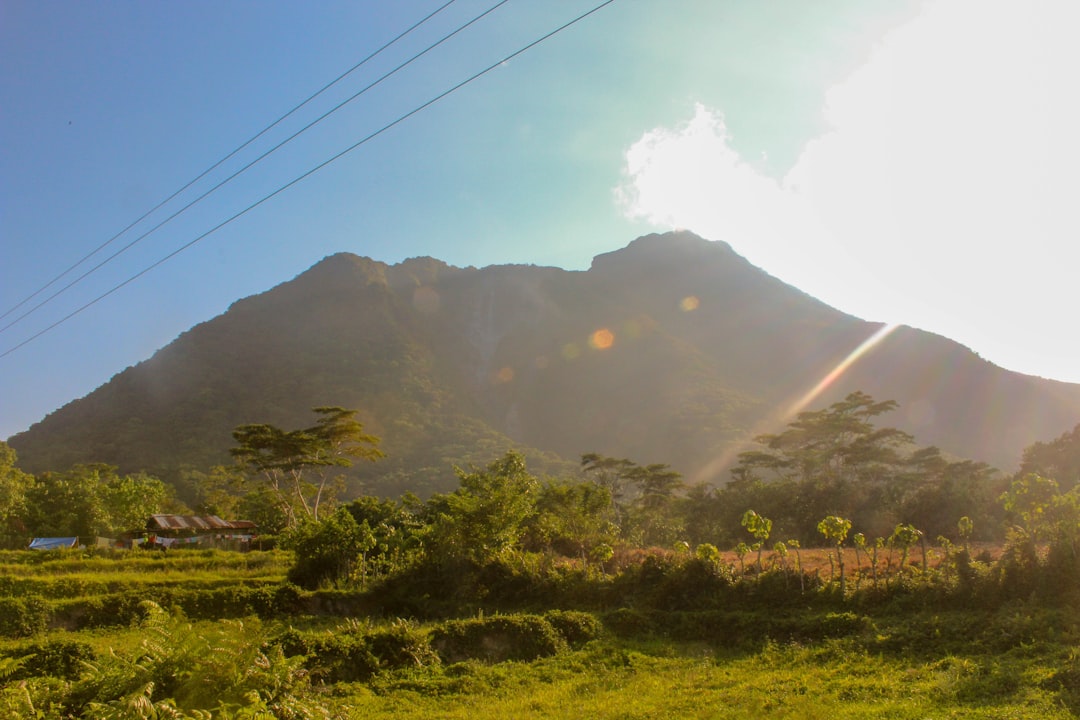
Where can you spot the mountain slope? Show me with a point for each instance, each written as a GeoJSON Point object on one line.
{"type": "Point", "coordinates": [674, 349]}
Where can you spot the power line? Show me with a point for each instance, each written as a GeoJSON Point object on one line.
{"type": "Point", "coordinates": [308, 173]}
{"type": "Point", "coordinates": [257, 160]}
{"type": "Point", "coordinates": [213, 167]}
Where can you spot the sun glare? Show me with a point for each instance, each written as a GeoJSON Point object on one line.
{"type": "Point", "coordinates": [782, 416]}
{"type": "Point", "coordinates": [945, 173]}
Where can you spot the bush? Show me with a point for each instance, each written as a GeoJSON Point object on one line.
{"type": "Point", "coordinates": [24, 616]}
{"type": "Point", "coordinates": [575, 627]}
{"type": "Point", "coordinates": [351, 653]}
{"type": "Point", "coordinates": [628, 622]}
{"type": "Point", "coordinates": [496, 639]}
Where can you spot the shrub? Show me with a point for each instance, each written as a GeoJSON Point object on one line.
{"type": "Point", "coordinates": [629, 622]}
{"type": "Point", "coordinates": [24, 616]}
{"type": "Point", "coordinates": [401, 645]}
{"type": "Point", "coordinates": [496, 639]}
{"type": "Point", "coordinates": [575, 627]}
{"type": "Point", "coordinates": [352, 653]}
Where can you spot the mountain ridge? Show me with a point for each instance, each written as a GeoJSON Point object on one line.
{"type": "Point", "coordinates": [674, 349]}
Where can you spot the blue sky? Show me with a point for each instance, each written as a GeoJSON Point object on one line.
{"type": "Point", "coordinates": [745, 122]}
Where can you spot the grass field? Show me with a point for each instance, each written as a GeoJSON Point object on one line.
{"type": "Point", "coordinates": [206, 653]}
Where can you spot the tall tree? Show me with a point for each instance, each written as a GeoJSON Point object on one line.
{"type": "Point", "coordinates": [616, 475]}
{"type": "Point", "coordinates": [1058, 459]}
{"type": "Point", "coordinates": [295, 464]}
{"type": "Point", "coordinates": [835, 460]}
{"type": "Point", "coordinates": [572, 518]}
{"type": "Point", "coordinates": [654, 520]}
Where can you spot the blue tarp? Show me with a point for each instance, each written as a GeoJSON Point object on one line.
{"type": "Point", "coordinates": [53, 543]}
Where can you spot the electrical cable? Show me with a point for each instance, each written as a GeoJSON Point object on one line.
{"type": "Point", "coordinates": [308, 173]}
{"type": "Point", "coordinates": [257, 160]}
{"type": "Point", "coordinates": [218, 164]}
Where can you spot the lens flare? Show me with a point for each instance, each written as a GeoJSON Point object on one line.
{"type": "Point", "coordinates": [689, 303]}
{"type": "Point", "coordinates": [602, 339]}
{"type": "Point", "coordinates": [784, 415]}
{"type": "Point", "coordinates": [867, 345]}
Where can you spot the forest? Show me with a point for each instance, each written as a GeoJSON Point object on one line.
{"type": "Point", "coordinates": [843, 570]}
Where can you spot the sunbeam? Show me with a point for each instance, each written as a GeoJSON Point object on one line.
{"type": "Point", "coordinates": [784, 414]}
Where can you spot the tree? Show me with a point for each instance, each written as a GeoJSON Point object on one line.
{"type": "Point", "coordinates": [218, 492]}
{"type": "Point", "coordinates": [486, 515]}
{"type": "Point", "coordinates": [759, 527]}
{"type": "Point", "coordinates": [130, 500]}
{"type": "Point", "coordinates": [327, 551]}
{"type": "Point", "coordinates": [1058, 459]}
{"type": "Point", "coordinates": [14, 486]}
{"type": "Point", "coordinates": [614, 474]}
{"type": "Point", "coordinates": [933, 492]}
{"type": "Point", "coordinates": [905, 537]}
{"type": "Point", "coordinates": [396, 529]}
{"type": "Point", "coordinates": [92, 500]}
{"type": "Point", "coordinates": [653, 517]}
{"type": "Point", "coordinates": [1029, 500]}
{"type": "Point", "coordinates": [835, 530]}
{"type": "Point", "coordinates": [832, 461]}
{"type": "Point", "coordinates": [572, 518]}
{"type": "Point", "coordinates": [287, 459]}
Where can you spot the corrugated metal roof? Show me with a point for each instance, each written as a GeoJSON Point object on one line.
{"type": "Point", "coordinates": [195, 522]}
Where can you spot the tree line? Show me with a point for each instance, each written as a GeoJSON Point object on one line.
{"type": "Point", "coordinates": [834, 462]}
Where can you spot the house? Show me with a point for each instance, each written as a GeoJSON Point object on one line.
{"type": "Point", "coordinates": [205, 530]}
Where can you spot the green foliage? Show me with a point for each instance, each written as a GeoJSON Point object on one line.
{"type": "Point", "coordinates": [176, 672]}
{"type": "Point", "coordinates": [571, 518]}
{"type": "Point", "coordinates": [1028, 501]}
{"type": "Point", "coordinates": [832, 460]}
{"type": "Point", "coordinates": [835, 529]}
{"type": "Point", "coordinates": [14, 486]}
{"type": "Point", "coordinates": [496, 639]}
{"type": "Point", "coordinates": [760, 527]}
{"type": "Point", "coordinates": [575, 627]}
{"type": "Point", "coordinates": [57, 658]}
{"type": "Point", "coordinates": [486, 515]}
{"type": "Point", "coordinates": [356, 652]}
{"type": "Point", "coordinates": [329, 550]}
{"type": "Point", "coordinates": [287, 459]}
{"type": "Point", "coordinates": [1058, 459]}
{"type": "Point", "coordinates": [93, 500]}
{"type": "Point", "coordinates": [23, 616]}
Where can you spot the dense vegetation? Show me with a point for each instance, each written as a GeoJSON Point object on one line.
{"type": "Point", "coordinates": [844, 571]}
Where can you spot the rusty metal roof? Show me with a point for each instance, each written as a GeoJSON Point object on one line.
{"type": "Point", "coordinates": [195, 522]}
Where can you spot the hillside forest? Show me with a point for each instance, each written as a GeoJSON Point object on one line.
{"type": "Point", "coordinates": [842, 570]}
{"type": "Point", "coordinates": [838, 461]}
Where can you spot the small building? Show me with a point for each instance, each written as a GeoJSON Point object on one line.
{"type": "Point", "coordinates": [205, 530]}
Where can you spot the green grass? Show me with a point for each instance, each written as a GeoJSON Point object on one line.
{"type": "Point", "coordinates": [1015, 661]}
{"type": "Point", "coordinates": [833, 679]}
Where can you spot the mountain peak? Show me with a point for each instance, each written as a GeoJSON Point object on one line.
{"type": "Point", "coordinates": [675, 247]}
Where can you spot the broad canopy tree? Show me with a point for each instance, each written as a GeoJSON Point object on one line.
{"type": "Point", "coordinates": [836, 461]}
{"type": "Point", "coordinates": [296, 464]}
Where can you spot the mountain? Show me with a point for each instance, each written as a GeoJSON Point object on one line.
{"type": "Point", "coordinates": [672, 350]}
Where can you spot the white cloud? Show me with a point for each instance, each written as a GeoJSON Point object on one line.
{"type": "Point", "coordinates": [943, 196]}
